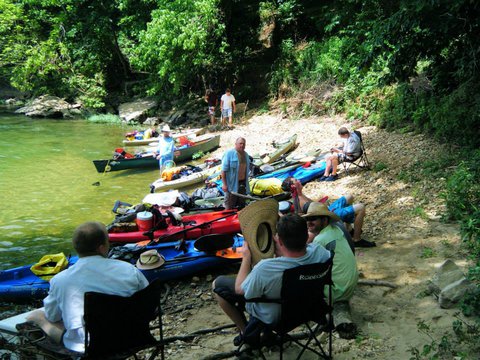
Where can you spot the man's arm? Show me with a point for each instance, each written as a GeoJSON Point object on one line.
{"type": "Point", "coordinates": [234, 106]}
{"type": "Point", "coordinates": [224, 182]}
{"type": "Point", "coordinates": [245, 269]}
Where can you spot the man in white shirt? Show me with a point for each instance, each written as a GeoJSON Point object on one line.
{"type": "Point", "coordinates": [227, 107]}
{"type": "Point", "coordinates": [349, 149]}
{"type": "Point", "coordinates": [62, 319]}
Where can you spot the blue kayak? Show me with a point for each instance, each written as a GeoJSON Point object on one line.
{"type": "Point", "coordinates": [303, 174]}
{"type": "Point", "coordinates": [181, 260]}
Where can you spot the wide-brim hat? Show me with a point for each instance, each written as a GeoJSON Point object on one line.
{"type": "Point", "coordinates": [258, 222]}
{"type": "Point", "coordinates": [166, 128]}
{"type": "Point", "coordinates": [319, 209]}
{"type": "Point", "coordinates": [150, 259]}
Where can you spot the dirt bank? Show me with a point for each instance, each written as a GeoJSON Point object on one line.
{"type": "Point", "coordinates": [404, 220]}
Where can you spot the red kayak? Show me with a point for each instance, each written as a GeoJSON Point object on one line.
{"type": "Point", "coordinates": [191, 227]}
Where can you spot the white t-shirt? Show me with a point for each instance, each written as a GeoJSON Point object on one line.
{"type": "Point", "coordinates": [227, 100]}
{"type": "Point", "coordinates": [65, 298]}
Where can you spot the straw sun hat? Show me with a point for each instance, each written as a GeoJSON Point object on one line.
{"type": "Point", "coordinates": [150, 259]}
{"type": "Point", "coordinates": [319, 209]}
{"type": "Point", "coordinates": [258, 222]}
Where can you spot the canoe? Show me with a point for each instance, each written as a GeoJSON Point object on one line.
{"type": "Point", "coordinates": [192, 227]}
{"type": "Point", "coordinates": [203, 143]}
{"type": "Point", "coordinates": [143, 142]}
{"type": "Point", "coordinates": [187, 180]}
{"type": "Point", "coordinates": [21, 285]}
{"type": "Point", "coordinates": [281, 148]}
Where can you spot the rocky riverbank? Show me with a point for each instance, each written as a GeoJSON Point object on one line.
{"type": "Point", "coordinates": [403, 218]}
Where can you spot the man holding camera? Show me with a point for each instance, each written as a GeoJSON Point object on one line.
{"type": "Point", "coordinates": [349, 149]}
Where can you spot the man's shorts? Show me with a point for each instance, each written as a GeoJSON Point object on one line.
{"type": "Point", "coordinates": [211, 110]}
{"type": "Point", "coordinates": [225, 288]}
{"type": "Point", "coordinates": [227, 113]}
{"type": "Point", "coordinates": [341, 208]}
{"type": "Point", "coordinates": [342, 157]}
{"type": "Point", "coordinates": [232, 201]}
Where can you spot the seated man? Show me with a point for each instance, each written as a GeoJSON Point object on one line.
{"type": "Point", "coordinates": [62, 319]}
{"type": "Point", "coordinates": [320, 222]}
{"type": "Point", "coordinates": [265, 279]}
{"type": "Point", "coordinates": [346, 210]}
{"type": "Point", "coordinates": [350, 149]}
{"type": "Point", "coordinates": [324, 225]}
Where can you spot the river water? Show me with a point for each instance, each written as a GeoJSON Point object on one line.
{"type": "Point", "coordinates": [46, 177]}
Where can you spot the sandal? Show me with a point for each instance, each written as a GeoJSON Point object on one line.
{"type": "Point", "coordinates": [238, 340]}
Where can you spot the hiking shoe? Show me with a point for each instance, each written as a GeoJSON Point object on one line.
{"type": "Point", "coordinates": [323, 178]}
{"type": "Point", "coordinates": [332, 178]}
{"type": "Point", "coordinates": [364, 243]}
{"type": "Point", "coordinates": [238, 340]}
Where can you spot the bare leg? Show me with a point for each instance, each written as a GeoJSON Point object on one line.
{"type": "Point", "coordinates": [358, 223]}
{"type": "Point", "coordinates": [232, 312]}
{"type": "Point", "coordinates": [230, 120]}
{"type": "Point", "coordinates": [212, 120]}
{"type": "Point", "coordinates": [334, 165]}
{"type": "Point", "coordinates": [328, 165]}
{"type": "Point", "coordinates": [53, 330]}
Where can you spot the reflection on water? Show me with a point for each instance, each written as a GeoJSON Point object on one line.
{"type": "Point", "coordinates": [46, 177]}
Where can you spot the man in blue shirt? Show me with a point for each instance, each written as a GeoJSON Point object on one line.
{"type": "Point", "coordinates": [235, 165]}
{"type": "Point", "coordinates": [265, 279]}
{"type": "Point", "coordinates": [166, 147]}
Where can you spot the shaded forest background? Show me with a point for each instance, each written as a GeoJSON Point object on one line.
{"type": "Point", "coordinates": [405, 65]}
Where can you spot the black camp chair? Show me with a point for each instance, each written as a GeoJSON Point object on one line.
{"type": "Point", "coordinates": [116, 327]}
{"type": "Point", "coordinates": [359, 160]}
{"type": "Point", "coordinates": [302, 302]}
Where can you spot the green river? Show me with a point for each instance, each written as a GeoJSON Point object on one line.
{"type": "Point", "coordinates": [46, 177]}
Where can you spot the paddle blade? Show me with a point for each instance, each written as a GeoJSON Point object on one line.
{"type": "Point", "coordinates": [214, 242]}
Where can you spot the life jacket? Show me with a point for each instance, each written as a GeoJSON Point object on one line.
{"type": "Point", "coordinates": [50, 265]}
{"type": "Point", "coordinates": [168, 174]}
{"type": "Point", "coordinates": [183, 140]}
{"type": "Point", "coordinates": [265, 187]}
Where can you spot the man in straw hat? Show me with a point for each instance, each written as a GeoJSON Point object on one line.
{"type": "Point", "coordinates": [62, 319]}
{"type": "Point", "coordinates": [265, 278]}
{"type": "Point", "coordinates": [235, 165]}
{"type": "Point", "coordinates": [166, 147]}
{"type": "Point", "coordinates": [345, 208]}
{"type": "Point", "coordinates": [320, 222]}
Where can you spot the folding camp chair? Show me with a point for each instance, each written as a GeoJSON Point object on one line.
{"type": "Point", "coordinates": [302, 302]}
{"type": "Point", "coordinates": [116, 327]}
{"type": "Point", "coordinates": [360, 160]}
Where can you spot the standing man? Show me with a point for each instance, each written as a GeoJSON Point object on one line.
{"type": "Point", "coordinates": [349, 149]}
{"type": "Point", "coordinates": [212, 101]}
{"type": "Point", "coordinates": [265, 279]}
{"type": "Point", "coordinates": [166, 147]}
{"type": "Point", "coordinates": [62, 319]}
{"type": "Point", "coordinates": [235, 165]}
{"type": "Point", "coordinates": [227, 107]}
